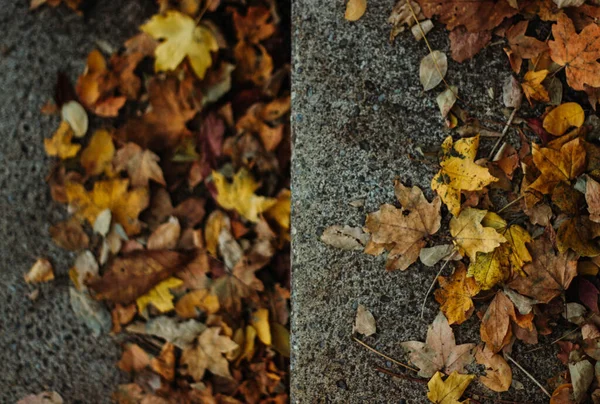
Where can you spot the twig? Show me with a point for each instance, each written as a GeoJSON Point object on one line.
{"type": "Point", "coordinates": [430, 48]}
{"type": "Point", "coordinates": [434, 281]}
{"type": "Point", "coordinates": [510, 119]}
{"type": "Point", "coordinates": [370, 348]}
{"type": "Point", "coordinates": [511, 203]}
{"type": "Point", "coordinates": [400, 376]}
{"type": "Point", "coordinates": [565, 335]}
{"type": "Point", "coordinates": [528, 374]}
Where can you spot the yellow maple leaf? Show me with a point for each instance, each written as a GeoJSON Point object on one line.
{"type": "Point", "coordinates": [470, 236]}
{"type": "Point", "coordinates": [97, 156]}
{"type": "Point", "coordinates": [488, 269]}
{"type": "Point", "coordinates": [181, 38]}
{"type": "Point", "coordinates": [448, 391]}
{"type": "Point", "coordinates": [563, 117]}
{"type": "Point", "coordinates": [239, 195]}
{"type": "Point", "coordinates": [533, 88]}
{"type": "Point", "coordinates": [160, 296]}
{"type": "Point", "coordinates": [60, 145]}
{"type": "Point", "coordinates": [455, 295]}
{"type": "Point", "coordinates": [459, 172]}
{"type": "Point", "coordinates": [558, 166]}
{"type": "Point", "coordinates": [124, 205]}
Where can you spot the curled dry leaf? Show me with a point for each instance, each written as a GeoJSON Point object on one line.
{"type": "Point", "coordinates": [74, 114]}
{"type": "Point", "coordinates": [345, 237]}
{"type": "Point", "coordinates": [498, 373]}
{"type": "Point", "coordinates": [40, 272]}
{"type": "Point", "coordinates": [180, 334]}
{"type": "Point", "coordinates": [60, 145]}
{"type": "Point", "coordinates": [446, 100]}
{"type": "Point", "coordinates": [260, 321]}
{"type": "Point", "coordinates": [166, 236]}
{"type": "Point", "coordinates": [432, 255]}
{"type": "Point", "coordinates": [365, 322]}
{"type": "Point", "coordinates": [355, 9]}
{"type": "Point", "coordinates": [433, 69]}
{"type": "Point", "coordinates": [511, 92]}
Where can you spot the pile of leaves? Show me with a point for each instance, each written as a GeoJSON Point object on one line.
{"type": "Point", "coordinates": [524, 222]}
{"type": "Point", "coordinates": [178, 204]}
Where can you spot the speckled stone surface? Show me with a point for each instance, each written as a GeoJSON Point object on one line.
{"type": "Point", "coordinates": [42, 344]}
{"type": "Point", "coordinates": [359, 113]}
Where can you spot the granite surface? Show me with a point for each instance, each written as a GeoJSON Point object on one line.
{"type": "Point", "coordinates": [359, 117]}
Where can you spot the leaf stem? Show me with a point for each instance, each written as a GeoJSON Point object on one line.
{"type": "Point", "coordinates": [510, 119]}
{"type": "Point", "coordinates": [435, 280]}
{"type": "Point", "coordinates": [528, 374]}
{"type": "Point", "coordinates": [370, 348]}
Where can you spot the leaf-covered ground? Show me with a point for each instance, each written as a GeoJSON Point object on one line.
{"type": "Point", "coordinates": [179, 202]}
{"type": "Point", "coordinates": [522, 231]}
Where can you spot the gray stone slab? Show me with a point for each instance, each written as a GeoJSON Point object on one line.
{"type": "Point", "coordinates": [42, 345]}
{"type": "Point", "coordinates": [358, 114]}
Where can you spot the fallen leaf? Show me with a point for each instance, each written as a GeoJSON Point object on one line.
{"type": "Point", "coordinates": [470, 237]}
{"type": "Point", "coordinates": [93, 313]}
{"type": "Point", "coordinates": [578, 53]}
{"type": "Point", "coordinates": [257, 25]}
{"type": "Point", "coordinates": [190, 303]}
{"type": "Point", "coordinates": [498, 373]}
{"type": "Point", "coordinates": [433, 69]}
{"type": "Point", "coordinates": [562, 394]}
{"type": "Point", "coordinates": [164, 363]}
{"type": "Point", "coordinates": [578, 234]}
{"type": "Point", "coordinates": [180, 334]}
{"type": "Point", "coordinates": [85, 268]}
{"type": "Point", "coordinates": [260, 321]}
{"type": "Point", "coordinates": [495, 325]}
{"type": "Point", "coordinates": [446, 100]}
{"type": "Point", "coordinates": [432, 255]}
{"type": "Point", "coordinates": [159, 296]}
{"type": "Point", "coordinates": [564, 117]}
{"type": "Point", "coordinates": [364, 322]}
{"type": "Point", "coordinates": [345, 238]}
{"type": "Point", "coordinates": [165, 236]}
{"type": "Point", "coordinates": [60, 145]}
{"type": "Point", "coordinates": [459, 172]}
{"type": "Point", "coordinates": [558, 165]}
{"type": "Point", "coordinates": [482, 15]}
{"type": "Point", "coordinates": [133, 359]}
{"type": "Point", "coordinates": [74, 114]}
{"type": "Point", "coordinates": [355, 9]}
{"type": "Point", "coordinates": [97, 157]}
{"type": "Point", "coordinates": [40, 272]}
{"type": "Point", "coordinates": [182, 38]}
{"type": "Point", "coordinates": [439, 351]}
{"type": "Point", "coordinates": [47, 397]}
{"type": "Point", "coordinates": [141, 165]}
{"type": "Point", "coordinates": [582, 375]}
{"type": "Point", "coordinates": [568, 3]}
{"type": "Point", "coordinates": [511, 92]}
{"type": "Point", "coordinates": [403, 230]}
{"type": "Point", "coordinates": [548, 275]}
{"type": "Point", "coordinates": [533, 87]}
{"type": "Point", "coordinates": [402, 17]}
{"type": "Point", "coordinates": [464, 44]}
{"type": "Point", "coordinates": [134, 274]}
{"type": "Point", "coordinates": [208, 355]}
{"type": "Point", "coordinates": [450, 390]}
{"type": "Point", "coordinates": [239, 195]}
{"type": "Point", "coordinates": [522, 46]}
{"type": "Point", "coordinates": [592, 197]}
{"type": "Point", "coordinates": [455, 296]}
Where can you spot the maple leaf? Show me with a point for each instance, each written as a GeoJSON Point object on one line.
{"type": "Point", "coordinates": [208, 355]}
{"type": "Point", "coordinates": [455, 295]}
{"type": "Point", "coordinates": [439, 351]}
{"type": "Point", "coordinates": [522, 46]}
{"type": "Point", "coordinates": [96, 158]}
{"type": "Point", "coordinates": [60, 143]}
{"type": "Point", "coordinates": [470, 236]}
{"type": "Point", "coordinates": [558, 166]}
{"type": "Point", "coordinates": [533, 88]}
{"type": "Point", "coordinates": [579, 53]}
{"type": "Point", "coordinates": [254, 26]}
{"type": "Point", "coordinates": [132, 275]}
{"type": "Point", "coordinates": [563, 117]}
{"type": "Point", "coordinates": [482, 15]}
{"type": "Point", "coordinates": [124, 205]}
{"type": "Point", "coordinates": [578, 234]}
{"type": "Point", "coordinates": [181, 38]}
{"type": "Point", "coordinates": [159, 296]}
{"type": "Point", "coordinates": [498, 373]}
{"type": "Point", "coordinates": [164, 363]}
{"type": "Point", "coordinates": [239, 195]}
{"type": "Point", "coordinates": [459, 172]}
{"type": "Point", "coordinates": [188, 305]}
{"type": "Point", "coordinates": [548, 275]}
{"type": "Point", "coordinates": [405, 229]}
{"type": "Point", "coordinates": [450, 390]}
{"type": "Point", "coordinates": [141, 165]}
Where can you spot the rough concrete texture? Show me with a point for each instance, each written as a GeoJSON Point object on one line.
{"type": "Point", "coordinates": [358, 113]}
{"type": "Point", "coordinates": [42, 345]}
